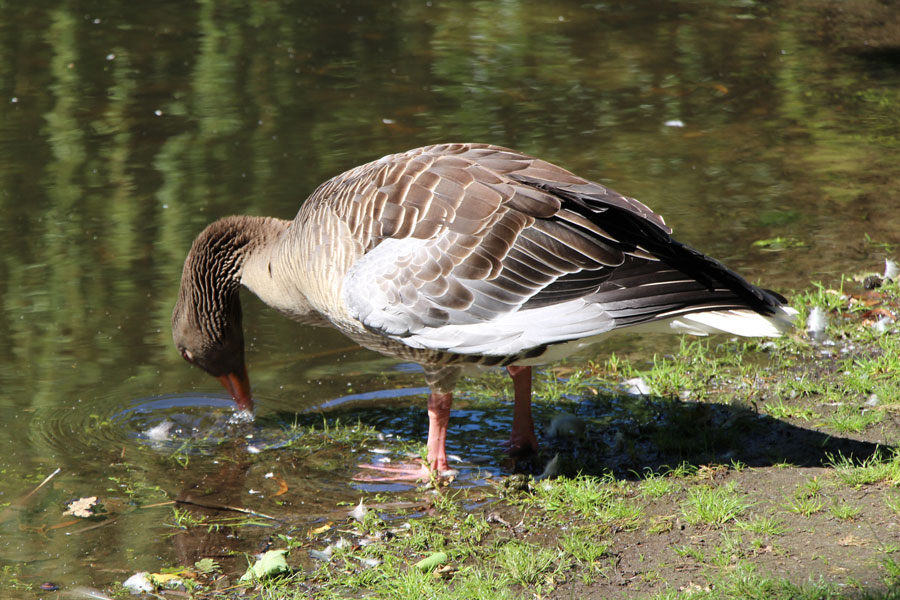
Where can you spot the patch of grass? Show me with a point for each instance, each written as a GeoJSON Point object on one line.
{"type": "Point", "coordinates": [891, 571]}
{"type": "Point", "coordinates": [136, 490]}
{"type": "Point", "coordinates": [892, 501]}
{"type": "Point", "coordinates": [529, 565]}
{"type": "Point", "coordinates": [809, 488]}
{"type": "Point", "coordinates": [770, 525]}
{"type": "Point", "coordinates": [10, 579]}
{"type": "Point", "coordinates": [742, 581]}
{"type": "Point", "coordinates": [805, 499]}
{"type": "Point", "coordinates": [582, 545]}
{"type": "Point", "coordinates": [724, 554]}
{"type": "Point", "coordinates": [850, 419]}
{"type": "Point", "coordinates": [184, 518]}
{"type": "Point", "coordinates": [331, 432]}
{"type": "Point", "coordinates": [714, 505]}
{"type": "Point", "coordinates": [799, 386]}
{"type": "Point", "coordinates": [595, 498]}
{"type": "Point", "coordinates": [661, 524]}
{"type": "Point", "coordinates": [473, 530]}
{"type": "Point", "coordinates": [563, 384]}
{"type": "Point", "coordinates": [685, 551]}
{"type": "Point", "coordinates": [685, 470]}
{"type": "Point", "coordinates": [828, 298]}
{"type": "Point", "coordinates": [880, 467]}
{"type": "Point", "coordinates": [655, 485]}
{"type": "Point", "coordinates": [804, 505]}
{"type": "Point", "coordinates": [688, 373]}
{"type": "Point", "coordinates": [779, 410]}
{"type": "Point", "coordinates": [844, 511]}
{"type": "Point", "coordinates": [476, 582]}
{"type": "Point", "coordinates": [727, 552]}
{"type": "Point", "coordinates": [411, 584]}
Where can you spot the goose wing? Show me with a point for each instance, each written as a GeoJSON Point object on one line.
{"type": "Point", "coordinates": [482, 250]}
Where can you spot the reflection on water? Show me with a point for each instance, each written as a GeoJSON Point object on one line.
{"type": "Point", "coordinates": [125, 128]}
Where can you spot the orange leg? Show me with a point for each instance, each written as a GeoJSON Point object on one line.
{"type": "Point", "coordinates": [438, 418]}
{"type": "Point", "coordinates": [522, 440]}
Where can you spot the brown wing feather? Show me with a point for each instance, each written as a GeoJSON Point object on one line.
{"type": "Point", "coordinates": [496, 230]}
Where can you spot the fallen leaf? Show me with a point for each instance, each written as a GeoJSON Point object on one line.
{"type": "Point", "coordinates": [83, 507]}
{"type": "Point", "coordinates": [444, 572]}
{"type": "Point", "coordinates": [319, 530]}
{"type": "Point", "coordinates": [269, 564]}
{"type": "Point", "coordinates": [282, 485]}
{"type": "Point", "coordinates": [851, 540]}
{"type": "Point", "coordinates": [206, 565]}
{"type": "Point", "coordinates": [163, 579]}
{"type": "Point", "coordinates": [692, 588]}
{"type": "Point", "coordinates": [429, 563]}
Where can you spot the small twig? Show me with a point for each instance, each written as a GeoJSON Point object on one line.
{"type": "Point", "coordinates": [158, 504]}
{"type": "Point", "coordinates": [42, 484]}
{"type": "Point", "coordinates": [245, 511]}
{"type": "Point", "coordinates": [90, 527]}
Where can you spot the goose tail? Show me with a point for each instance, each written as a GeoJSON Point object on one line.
{"type": "Point", "coordinates": [739, 322]}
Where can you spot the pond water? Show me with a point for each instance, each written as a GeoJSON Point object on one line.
{"type": "Point", "coordinates": [126, 127]}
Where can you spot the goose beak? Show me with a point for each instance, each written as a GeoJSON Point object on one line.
{"type": "Point", "coordinates": [238, 385]}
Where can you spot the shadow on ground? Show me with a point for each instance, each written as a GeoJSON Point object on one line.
{"type": "Point", "coordinates": [625, 435]}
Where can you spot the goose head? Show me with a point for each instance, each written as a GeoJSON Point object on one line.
{"type": "Point", "coordinates": [206, 322]}
{"type": "Point", "coordinates": [216, 346]}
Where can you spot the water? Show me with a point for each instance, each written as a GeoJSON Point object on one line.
{"type": "Point", "coordinates": [126, 127]}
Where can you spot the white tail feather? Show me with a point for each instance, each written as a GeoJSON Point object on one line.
{"type": "Point", "coordinates": [745, 323]}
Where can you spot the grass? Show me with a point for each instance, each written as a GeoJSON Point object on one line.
{"type": "Point", "coordinates": [892, 501]}
{"type": "Point", "coordinates": [849, 419]}
{"type": "Point", "coordinates": [528, 565]}
{"type": "Point", "coordinates": [844, 511]}
{"type": "Point", "coordinates": [582, 545]}
{"type": "Point", "coordinates": [778, 409]}
{"type": "Point", "coordinates": [770, 525]}
{"type": "Point", "coordinates": [655, 485]}
{"type": "Point", "coordinates": [804, 505]}
{"type": "Point", "coordinates": [11, 579]}
{"type": "Point", "coordinates": [602, 499]}
{"type": "Point", "coordinates": [137, 490]}
{"type": "Point", "coordinates": [714, 505]}
{"type": "Point", "coordinates": [878, 468]}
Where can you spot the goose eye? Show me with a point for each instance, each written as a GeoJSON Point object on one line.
{"type": "Point", "coordinates": [186, 354]}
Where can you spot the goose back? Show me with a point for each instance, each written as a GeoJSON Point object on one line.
{"type": "Point", "coordinates": [429, 246]}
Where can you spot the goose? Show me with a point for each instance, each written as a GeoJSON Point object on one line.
{"type": "Point", "coordinates": [458, 255]}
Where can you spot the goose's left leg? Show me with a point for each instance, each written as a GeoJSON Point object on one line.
{"type": "Point", "coordinates": [440, 380]}
{"type": "Point", "coordinates": [522, 440]}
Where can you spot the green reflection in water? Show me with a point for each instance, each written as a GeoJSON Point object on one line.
{"type": "Point", "coordinates": [124, 129]}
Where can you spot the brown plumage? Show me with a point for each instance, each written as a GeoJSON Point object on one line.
{"type": "Point", "coordinates": [460, 254]}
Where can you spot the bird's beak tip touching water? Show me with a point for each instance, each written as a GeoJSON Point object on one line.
{"type": "Point", "coordinates": [238, 385]}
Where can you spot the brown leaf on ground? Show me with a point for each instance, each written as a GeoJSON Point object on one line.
{"type": "Point", "coordinates": [852, 540]}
